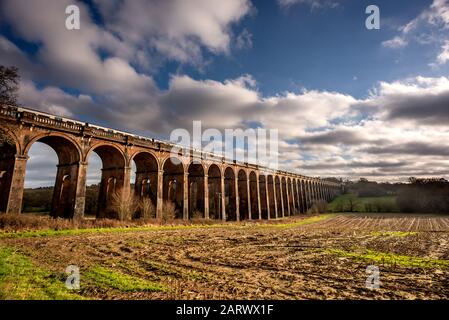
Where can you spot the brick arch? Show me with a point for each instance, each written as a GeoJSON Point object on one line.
{"type": "Point", "coordinates": [253, 195]}
{"type": "Point", "coordinates": [174, 183]}
{"type": "Point", "coordinates": [68, 173]}
{"type": "Point", "coordinates": [301, 202]}
{"type": "Point", "coordinates": [300, 196]}
{"type": "Point", "coordinates": [264, 196]}
{"type": "Point", "coordinates": [193, 163]}
{"type": "Point", "coordinates": [166, 162]}
{"type": "Point", "coordinates": [230, 167]}
{"type": "Point", "coordinates": [312, 192]}
{"type": "Point", "coordinates": [118, 148]}
{"type": "Point", "coordinates": [239, 168]}
{"type": "Point", "coordinates": [12, 138]}
{"type": "Point", "coordinates": [150, 152]}
{"type": "Point", "coordinates": [242, 187]}
{"type": "Point", "coordinates": [146, 176]}
{"type": "Point", "coordinates": [115, 177]}
{"type": "Point", "coordinates": [210, 164]}
{"type": "Point", "coordinates": [284, 195]}
{"type": "Point", "coordinates": [291, 195]}
{"type": "Point", "coordinates": [288, 184]}
{"type": "Point", "coordinates": [279, 201]}
{"type": "Point", "coordinates": [67, 148]}
{"type": "Point", "coordinates": [145, 159]}
{"type": "Point", "coordinates": [215, 192]}
{"type": "Point", "coordinates": [183, 160]}
{"type": "Point", "coordinates": [196, 190]}
{"type": "Point", "coordinates": [272, 200]}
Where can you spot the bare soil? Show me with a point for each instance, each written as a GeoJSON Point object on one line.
{"type": "Point", "coordinates": [261, 262]}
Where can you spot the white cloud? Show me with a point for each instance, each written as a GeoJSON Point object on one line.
{"type": "Point", "coordinates": [244, 40]}
{"type": "Point", "coordinates": [397, 131]}
{"type": "Point", "coordinates": [76, 63]}
{"type": "Point", "coordinates": [217, 104]}
{"type": "Point", "coordinates": [177, 29]}
{"type": "Point", "coordinates": [429, 27]}
{"type": "Point", "coordinates": [443, 57]}
{"type": "Point", "coordinates": [396, 42]}
{"type": "Point", "coordinates": [406, 130]}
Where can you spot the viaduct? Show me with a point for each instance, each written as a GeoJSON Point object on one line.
{"type": "Point", "coordinates": [200, 183]}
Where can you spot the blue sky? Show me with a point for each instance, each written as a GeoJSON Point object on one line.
{"type": "Point", "coordinates": [324, 49]}
{"type": "Point", "coordinates": [347, 101]}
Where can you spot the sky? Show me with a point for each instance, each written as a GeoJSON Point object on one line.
{"type": "Point", "coordinates": [348, 101]}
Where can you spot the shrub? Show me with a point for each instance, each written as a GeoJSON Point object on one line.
{"type": "Point", "coordinates": [168, 211]}
{"type": "Point", "coordinates": [197, 215]}
{"type": "Point", "coordinates": [147, 210]}
{"type": "Point", "coordinates": [125, 206]}
{"type": "Point", "coordinates": [23, 222]}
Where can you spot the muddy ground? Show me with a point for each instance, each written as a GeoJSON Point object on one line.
{"type": "Point", "coordinates": [322, 260]}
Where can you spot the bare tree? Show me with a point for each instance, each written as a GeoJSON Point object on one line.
{"type": "Point", "coordinates": [147, 210]}
{"type": "Point", "coordinates": [125, 205]}
{"type": "Point", "coordinates": [9, 85]}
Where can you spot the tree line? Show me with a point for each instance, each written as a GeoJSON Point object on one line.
{"type": "Point", "coordinates": [417, 195]}
{"type": "Point", "coordinates": [38, 200]}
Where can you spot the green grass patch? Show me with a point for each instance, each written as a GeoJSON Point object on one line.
{"type": "Point", "coordinates": [108, 278]}
{"type": "Point", "coordinates": [20, 279]}
{"type": "Point", "coordinates": [342, 203]}
{"type": "Point", "coordinates": [74, 232]}
{"type": "Point", "coordinates": [393, 234]}
{"type": "Point", "coordinates": [391, 258]}
{"type": "Point", "coordinates": [301, 222]}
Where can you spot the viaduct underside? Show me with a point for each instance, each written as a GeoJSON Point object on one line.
{"type": "Point", "coordinates": [200, 184]}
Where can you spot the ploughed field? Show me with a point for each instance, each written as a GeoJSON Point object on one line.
{"type": "Point", "coordinates": [305, 257]}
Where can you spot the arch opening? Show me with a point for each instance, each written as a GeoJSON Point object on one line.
{"type": "Point", "coordinates": [173, 185]}
{"type": "Point", "coordinates": [309, 191]}
{"type": "Point", "coordinates": [254, 202]}
{"type": "Point", "coordinates": [296, 196]}
{"type": "Point", "coordinates": [284, 197]}
{"type": "Point", "coordinates": [263, 196]}
{"type": "Point", "coordinates": [243, 195]}
{"type": "Point", "coordinates": [47, 190]}
{"type": "Point", "coordinates": [290, 196]}
{"type": "Point", "coordinates": [196, 191]}
{"type": "Point", "coordinates": [314, 192]}
{"type": "Point", "coordinates": [279, 202]}
{"type": "Point", "coordinates": [52, 191]}
{"type": "Point", "coordinates": [272, 195]}
{"type": "Point", "coordinates": [301, 197]}
{"type": "Point", "coordinates": [215, 192]}
{"type": "Point", "coordinates": [114, 182]}
{"type": "Point", "coordinates": [39, 180]}
{"type": "Point", "coordinates": [145, 184]}
{"type": "Point", "coordinates": [304, 196]}
{"type": "Point", "coordinates": [230, 195]}
{"type": "Point", "coordinates": [277, 182]}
